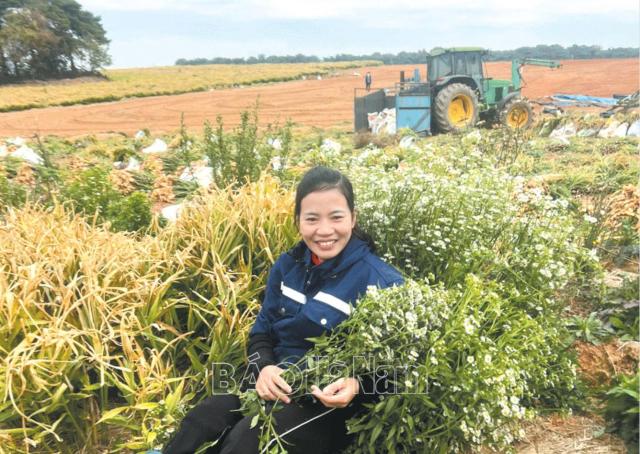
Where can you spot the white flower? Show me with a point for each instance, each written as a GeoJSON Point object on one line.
{"type": "Point", "coordinates": [590, 219]}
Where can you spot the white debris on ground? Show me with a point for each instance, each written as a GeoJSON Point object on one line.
{"type": "Point", "coordinates": [609, 130]}
{"type": "Point", "coordinates": [589, 132]}
{"type": "Point", "coordinates": [140, 135]}
{"type": "Point", "coordinates": [634, 129]}
{"type": "Point", "coordinates": [330, 146]}
{"type": "Point", "coordinates": [26, 154]}
{"type": "Point", "coordinates": [17, 141]}
{"type": "Point", "coordinates": [621, 131]}
{"type": "Point", "coordinates": [356, 73]}
{"type": "Point", "coordinates": [171, 212]}
{"type": "Point", "coordinates": [563, 131]}
{"type": "Point", "coordinates": [158, 146]}
{"type": "Point", "coordinates": [202, 175]}
{"type": "Point", "coordinates": [276, 143]}
{"type": "Point", "coordinates": [407, 142]}
{"type": "Point", "coordinates": [276, 163]}
{"type": "Point", "coordinates": [382, 122]}
{"type": "Point", "coordinates": [133, 165]}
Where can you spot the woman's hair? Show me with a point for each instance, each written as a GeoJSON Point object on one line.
{"type": "Point", "coordinates": [322, 178]}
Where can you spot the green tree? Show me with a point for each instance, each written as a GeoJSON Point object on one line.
{"type": "Point", "coordinates": [48, 38]}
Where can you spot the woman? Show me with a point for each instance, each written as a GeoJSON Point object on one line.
{"type": "Point", "coordinates": [310, 290]}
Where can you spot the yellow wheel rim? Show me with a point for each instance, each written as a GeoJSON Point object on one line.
{"type": "Point", "coordinates": [517, 117]}
{"type": "Point", "coordinates": [460, 110]}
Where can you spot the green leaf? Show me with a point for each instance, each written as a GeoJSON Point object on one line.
{"type": "Point", "coordinates": [254, 421]}
{"type": "Point", "coordinates": [111, 414]}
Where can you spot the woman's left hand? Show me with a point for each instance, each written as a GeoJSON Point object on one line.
{"type": "Point", "coordinates": [337, 394]}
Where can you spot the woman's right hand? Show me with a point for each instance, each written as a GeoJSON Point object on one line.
{"type": "Point", "coordinates": [271, 386]}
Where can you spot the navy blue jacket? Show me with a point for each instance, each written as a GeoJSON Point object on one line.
{"type": "Point", "coordinates": [302, 300]}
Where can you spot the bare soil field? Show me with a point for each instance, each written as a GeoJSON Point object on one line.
{"type": "Point", "coordinates": [321, 103]}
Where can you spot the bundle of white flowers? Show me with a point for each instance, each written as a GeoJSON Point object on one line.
{"type": "Point", "coordinates": [462, 368]}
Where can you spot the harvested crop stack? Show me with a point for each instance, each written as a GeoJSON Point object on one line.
{"type": "Point", "coordinates": [26, 175]}
{"type": "Point", "coordinates": [622, 205]}
{"type": "Point", "coordinates": [163, 189]}
{"type": "Point", "coordinates": [154, 165]}
{"type": "Point", "coordinates": [122, 180]}
{"type": "Point", "coordinates": [77, 164]}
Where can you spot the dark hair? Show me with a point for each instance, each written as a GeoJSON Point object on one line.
{"type": "Point", "coordinates": [322, 178]}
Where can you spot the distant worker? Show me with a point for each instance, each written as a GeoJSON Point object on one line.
{"type": "Point", "coordinates": [367, 81]}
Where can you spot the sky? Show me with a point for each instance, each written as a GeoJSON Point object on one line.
{"type": "Point", "coordinates": [158, 32]}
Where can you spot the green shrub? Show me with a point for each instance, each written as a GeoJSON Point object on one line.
{"type": "Point", "coordinates": [622, 309]}
{"type": "Point", "coordinates": [11, 194]}
{"type": "Point", "coordinates": [91, 193]}
{"type": "Point", "coordinates": [622, 408]}
{"type": "Point", "coordinates": [589, 329]}
{"type": "Point", "coordinates": [132, 213]}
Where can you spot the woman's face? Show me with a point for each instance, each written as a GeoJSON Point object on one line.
{"type": "Point", "coordinates": [326, 223]}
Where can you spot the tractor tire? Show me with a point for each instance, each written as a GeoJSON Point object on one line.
{"type": "Point", "coordinates": [517, 114]}
{"type": "Point", "coordinates": [455, 108]}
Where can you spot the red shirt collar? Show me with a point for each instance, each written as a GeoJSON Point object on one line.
{"type": "Point", "coordinates": [315, 259]}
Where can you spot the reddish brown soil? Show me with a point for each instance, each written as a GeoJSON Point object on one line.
{"type": "Point", "coordinates": [571, 434]}
{"type": "Point", "coordinates": [598, 364]}
{"type": "Point", "coordinates": [322, 103]}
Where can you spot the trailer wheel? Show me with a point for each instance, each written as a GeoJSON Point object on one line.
{"type": "Point", "coordinates": [455, 108]}
{"type": "Point", "coordinates": [517, 114]}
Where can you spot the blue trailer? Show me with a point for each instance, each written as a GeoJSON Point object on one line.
{"type": "Point", "coordinates": [410, 98]}
{"type": "Point", "coordinates": [413, 107]}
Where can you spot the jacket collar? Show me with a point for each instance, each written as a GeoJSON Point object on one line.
{"type": "Point", "coordinates": [355, 250]}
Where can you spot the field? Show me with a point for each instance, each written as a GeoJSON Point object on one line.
{"type": "Point", "coordinates": [144, 82]}
{"type": "Point", "coordinates": [520, 250]}
{"type": "Point", "coordinates": [311, 103]}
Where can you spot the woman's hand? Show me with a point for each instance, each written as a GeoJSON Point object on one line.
{"type": "Point", "coordinates": [337, 394]}
{"type": "Point", "coordinates": [271, 386]}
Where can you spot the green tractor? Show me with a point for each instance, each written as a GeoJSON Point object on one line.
{"type": "Point", "coordinates": [461, 92]}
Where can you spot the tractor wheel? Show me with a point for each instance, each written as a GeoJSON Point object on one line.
{"type": "Point", "coordinates": [455, 108]}
{"type": "Point", "coordinates": [517, 114]}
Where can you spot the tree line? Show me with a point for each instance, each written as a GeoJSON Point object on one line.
{"type": "Point", "coordinates": [41, 39]}
{"type": "Point", "coordinates": [554, 52]}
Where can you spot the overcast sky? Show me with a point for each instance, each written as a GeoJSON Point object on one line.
{"type": "Point", "coordinates": [157, 32]}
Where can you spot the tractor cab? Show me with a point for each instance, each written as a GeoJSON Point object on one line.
{"type": "Point", "coordinates": [461, 65]}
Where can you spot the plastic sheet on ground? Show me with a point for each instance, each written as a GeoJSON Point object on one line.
{"type": "Point", "coordinates": [203, 175]}
{"type": "Point", "coordinates": [17, 141]}
{"type": "Point", "coordinates": [330, 146]}
{"type": "Point", "coordinates": [276, 163]}
{"type": "Point", "coordinates": [583, 100]}
{"type": "Point", "coordinates": [621, 130]}
{"type": "Point", "coordinates": [276, 143]}
{"type": "Point", "coordinates": [589, 132]}
{"type": "Point", "coordinates": [634, 129]}
{"type": "Point", "coordinates": [171, 212]}
{"type": "Point", "coordinates": [407, 142]}
{"type": "Point", "coordinates": [133, 165]}
{"type": "Point", "coordinates": [27, 154]}
{"type": "Point", "coordinates": [566, 130]}
{"type": "Point", "coordinates": [158, 146]}
{"type": "Point", "coordinates": [382, 122]}
{"type": "Point", "coordinates": [609, 130]}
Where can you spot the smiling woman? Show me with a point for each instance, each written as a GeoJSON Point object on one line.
{"type": "Point", "coordinates": [311, 289]}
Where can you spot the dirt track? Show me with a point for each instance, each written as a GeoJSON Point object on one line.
{"type": "Point", "coordinates": [321, 103]}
